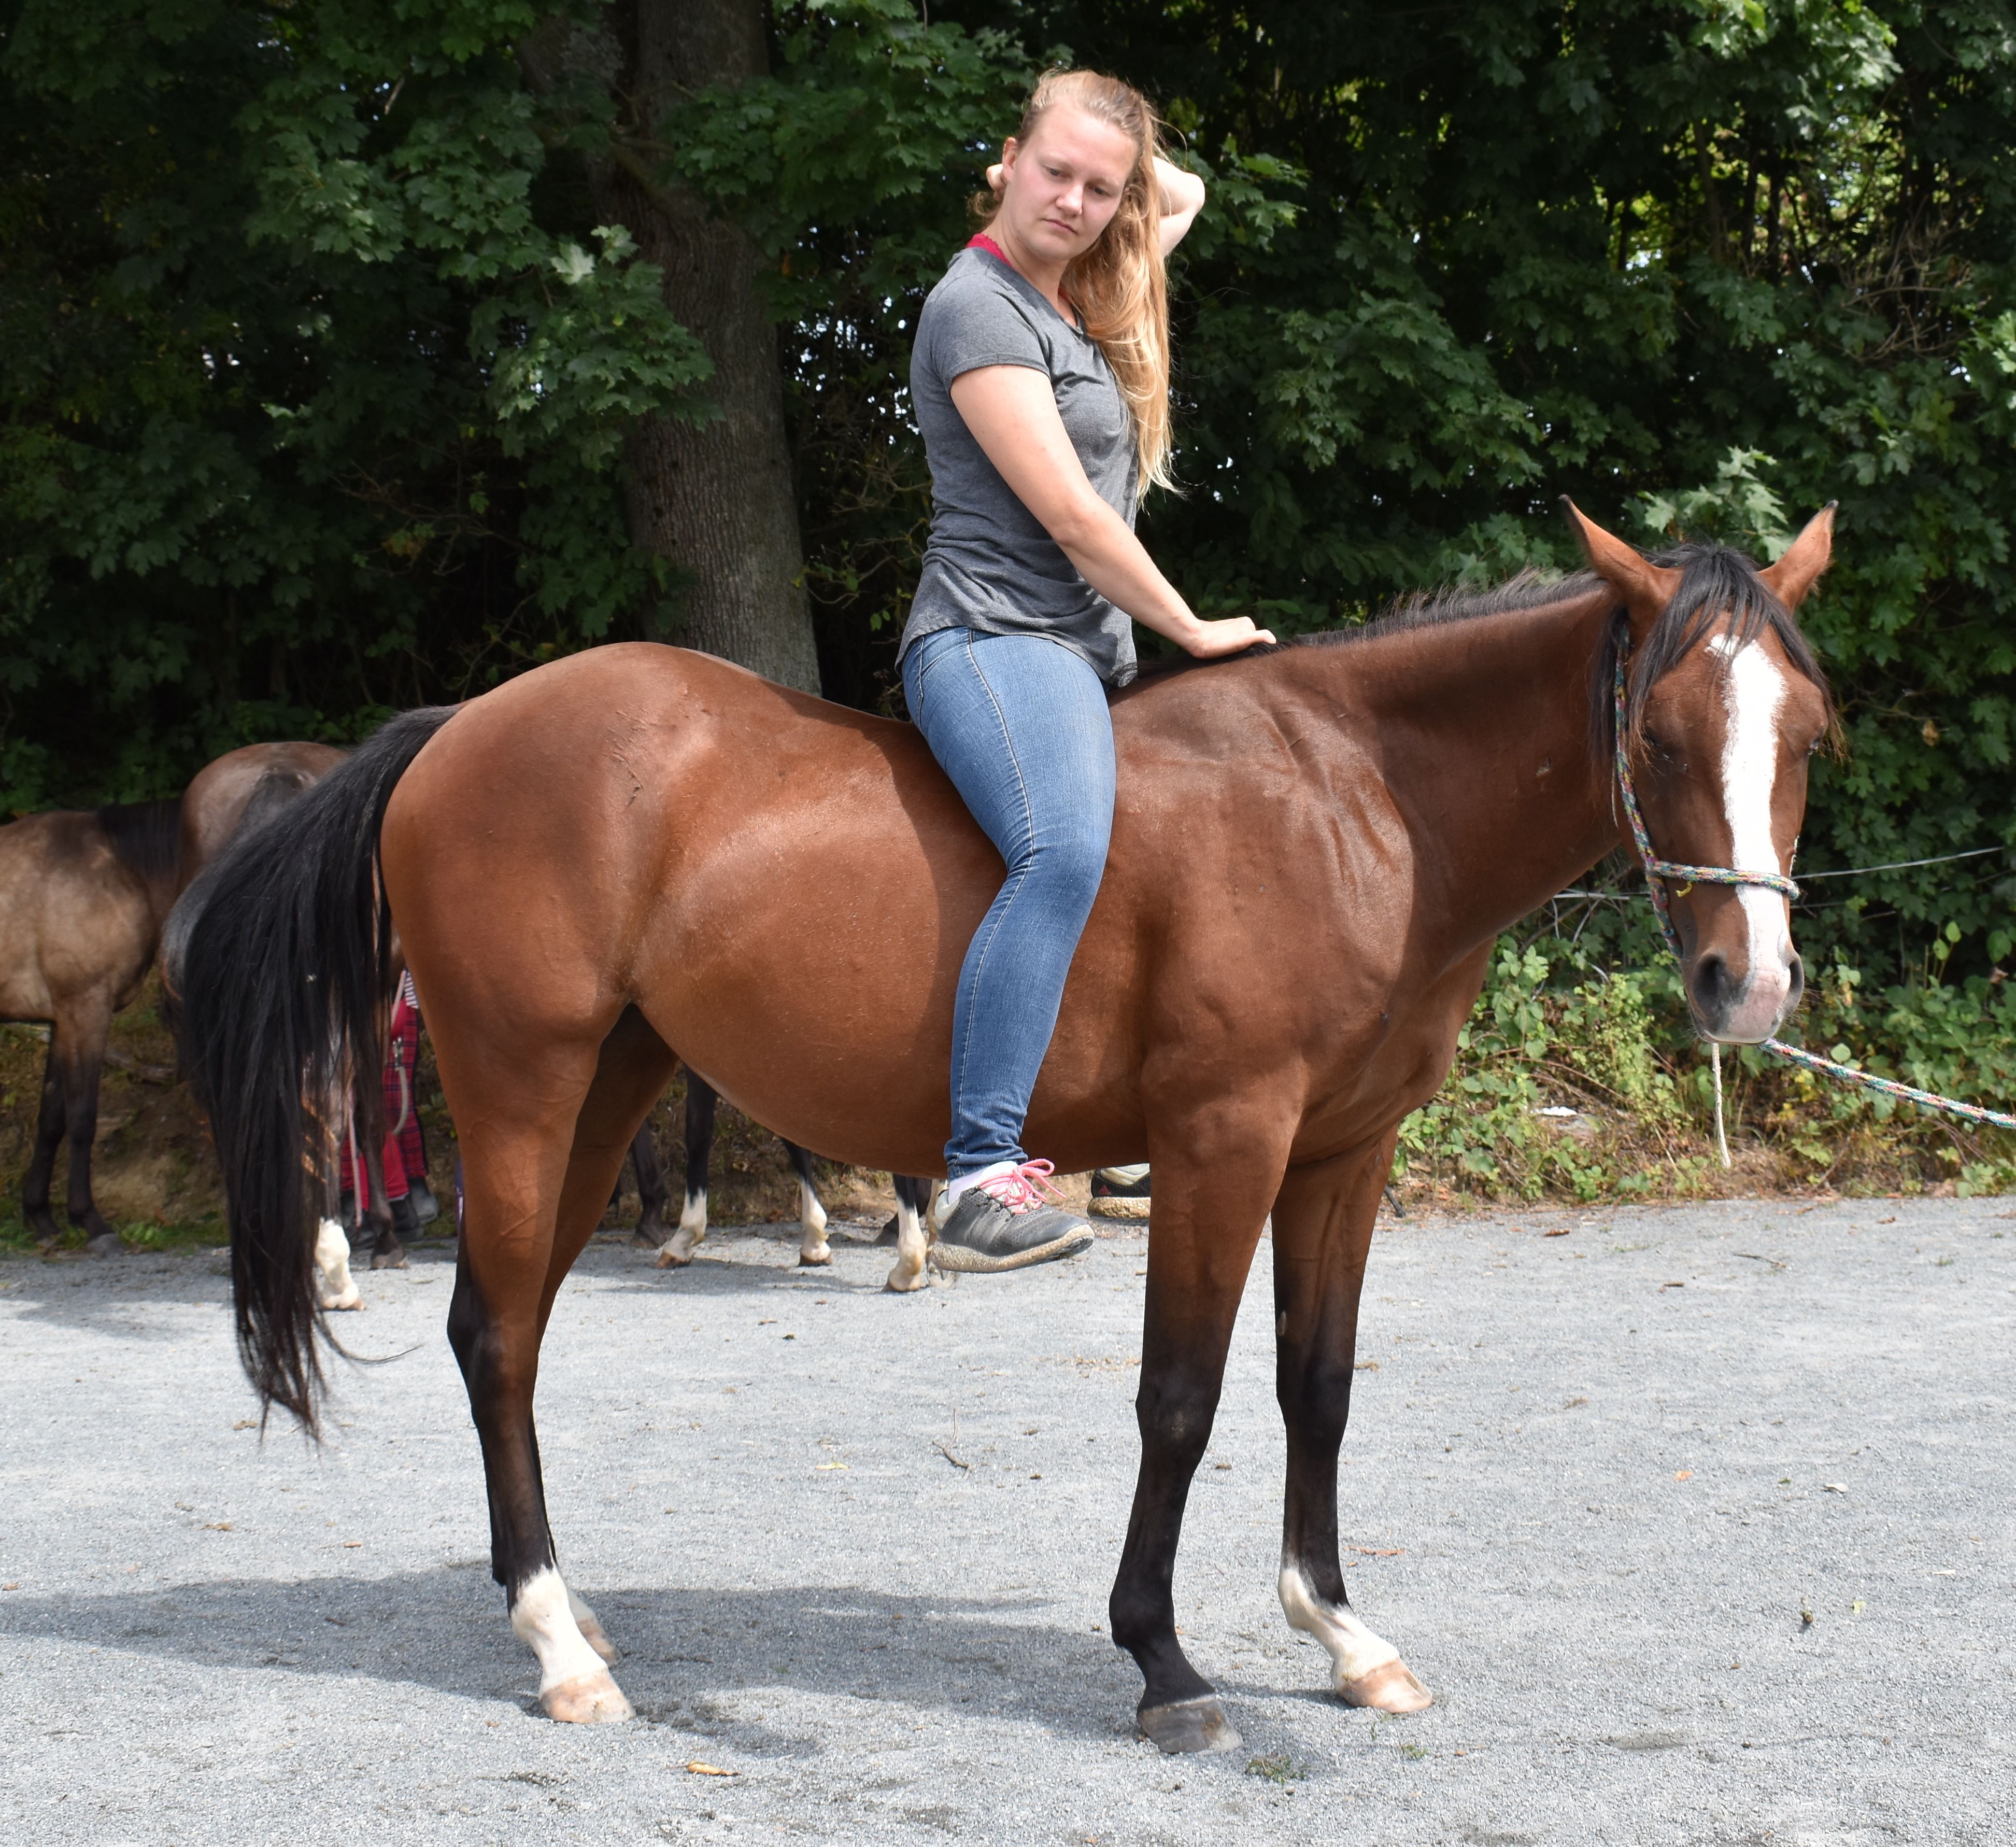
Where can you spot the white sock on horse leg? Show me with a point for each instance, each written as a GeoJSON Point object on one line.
{"type": "Point", "coordinates": [542, 1617]}
{"type": "Point", "coordinates": [1354, 1649]}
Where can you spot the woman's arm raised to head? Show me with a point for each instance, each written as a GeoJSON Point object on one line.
{"type": "Point", "coordinates": [1182, 199]}
{"type": "Point", "coordinates": [1014, 417]}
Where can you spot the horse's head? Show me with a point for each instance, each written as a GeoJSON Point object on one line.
{"type": "Point", "coordinates": [1724, 705]}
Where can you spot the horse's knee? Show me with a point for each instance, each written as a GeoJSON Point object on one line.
{"type": "Point", "coordinates": [1175, 1419]}
{"type": "Point", "coordinates": [1315, 1401]}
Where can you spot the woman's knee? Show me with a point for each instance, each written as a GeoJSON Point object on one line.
{"type": "Point", "coordinates": [1068, 864]}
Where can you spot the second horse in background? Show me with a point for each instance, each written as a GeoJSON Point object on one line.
{"type": "Point", "coordinates": [675, 1245]}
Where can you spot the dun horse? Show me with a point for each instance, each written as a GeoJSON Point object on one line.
{"type": "Point", "coordinates": [1314, 849]}
{"type": "Point", "coordinates": [82, 895]}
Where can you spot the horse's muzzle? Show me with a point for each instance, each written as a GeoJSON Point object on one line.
{"type": "Point", "coordinates": [1746, 1011]}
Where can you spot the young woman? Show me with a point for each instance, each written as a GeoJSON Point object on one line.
{"type": "Point", "coordinates": [1041, 380]}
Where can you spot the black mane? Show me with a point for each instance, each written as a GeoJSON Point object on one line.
{"type": "Point", "coordinates": [1718, 583]}
{"type": "Point", "coordinates": [146, 836]}
{"type": "Point", "coordinates": [1433, 609]}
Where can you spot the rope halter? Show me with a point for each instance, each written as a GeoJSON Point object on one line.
{"type": "Point", "coordinates": [1657, 871]}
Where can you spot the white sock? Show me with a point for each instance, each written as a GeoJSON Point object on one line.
{"type": "Point", "coordinates": [954, 1188]}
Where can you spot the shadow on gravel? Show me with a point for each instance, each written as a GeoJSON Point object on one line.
{"type": "Point", "coordinates": [685, 1651]}
{"type": "Point", "coordinates": [747, 1258]}
{"type": "Point", "coordinates": [105, 1293]}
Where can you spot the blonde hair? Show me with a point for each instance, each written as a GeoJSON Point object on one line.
{"type": "Point", "coordinates": [1118, 286]}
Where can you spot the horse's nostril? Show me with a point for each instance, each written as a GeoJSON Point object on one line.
{"type": "Point", "coordinates": [1713, 991]}
{"type": "Point", "coordinates": [1796, 984]}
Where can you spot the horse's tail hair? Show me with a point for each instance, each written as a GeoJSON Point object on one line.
{"type": "Point", "coordinates": [284, 978]}
{"type": "Point", "coordinates": [275, 792]}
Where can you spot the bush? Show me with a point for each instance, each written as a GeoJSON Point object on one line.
{"type": "Point", "coordinates": [1553, 1030]}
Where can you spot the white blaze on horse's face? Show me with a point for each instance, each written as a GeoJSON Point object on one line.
{"type": "Point", "coordinates": [1753, 695]}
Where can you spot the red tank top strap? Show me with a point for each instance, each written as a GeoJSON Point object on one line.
{"type": "Point", "coordinates": [980, 240]}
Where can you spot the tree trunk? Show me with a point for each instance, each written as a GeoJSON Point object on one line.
{"type": "Point", "coordinates": [716, 499]}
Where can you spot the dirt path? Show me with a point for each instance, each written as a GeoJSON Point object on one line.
{"type": "Point", "coordinates": [1598, 1483]}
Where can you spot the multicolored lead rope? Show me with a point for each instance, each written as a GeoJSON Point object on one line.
{"type": "Point", "coordinates": [1658, 870]}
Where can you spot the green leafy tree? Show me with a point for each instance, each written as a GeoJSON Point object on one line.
{"type": "Point", "coordinates": [317, 370]}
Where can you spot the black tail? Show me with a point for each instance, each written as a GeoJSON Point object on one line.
{"type": "Point", "coordinates": [284, 980]}
{"type": "Point", "coordinates": [273, 795]}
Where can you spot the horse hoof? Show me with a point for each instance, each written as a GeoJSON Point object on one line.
{"type": "Point", "coordinates": [349, 1299]}
{"type": "Point", "coordinates": [902, 1281]}
{"type": "Point", "coordinates": [1389, 1688]}
{"type": "Point", "coordinates": [816, 1259]}
{"type": "Point", "coordinates": [587, 1699]}
{"type": "Point", "coordinates": [105, 1244]}
{"type": "Point", "coordinates": [1186, 1725]}
{"type": "Point", "coordinates": [394, 1259]}
{"type": "Point", "coordinates": [593, 1634]}
{"type": "Point", "coordinates": [671, 1258]}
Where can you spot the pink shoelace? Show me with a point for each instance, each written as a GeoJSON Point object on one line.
{"type": "Point", "coordinates": [1025, 1189]}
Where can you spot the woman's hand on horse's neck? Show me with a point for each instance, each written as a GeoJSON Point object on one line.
{"type": "Point", "coordinates": [1012, 415]}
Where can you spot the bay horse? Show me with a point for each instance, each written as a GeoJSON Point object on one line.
{"type": "Point", "coordinates": [638, 853]}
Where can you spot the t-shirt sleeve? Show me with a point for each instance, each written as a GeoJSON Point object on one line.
{"type": "Point", "coordinates": [974, 324]}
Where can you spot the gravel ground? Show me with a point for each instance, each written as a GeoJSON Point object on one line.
{"type": "Point", "coordinates": [1697, 1521]}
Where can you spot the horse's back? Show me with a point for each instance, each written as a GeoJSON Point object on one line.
{"type": "Point", "coordinates": [215, 802]}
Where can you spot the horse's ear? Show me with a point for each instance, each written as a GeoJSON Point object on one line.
{"type": "Point", "coordinates": [1645, 587]}
{"type": "Point", "coordinates": [1805, 559]}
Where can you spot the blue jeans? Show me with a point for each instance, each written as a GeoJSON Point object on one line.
{"type": "Point", "coordinates": [1020, 724]}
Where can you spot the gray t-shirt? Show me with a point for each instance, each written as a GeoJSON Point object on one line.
{"type": "Point", "coordinates": [989, 564]}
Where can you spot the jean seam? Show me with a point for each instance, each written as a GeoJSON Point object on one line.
{"type": "Point", "coordinates": [1016, 879]}
{"type": "Point", "coordinates": [924, 657]}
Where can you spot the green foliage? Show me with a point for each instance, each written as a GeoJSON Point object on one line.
{"type": "Point", "coordinates": [854, 165]}
{"type": "Point", "coordinates": [1551, 1029]}
{"type": "Point", "coordinates": [1527, 1045]}
{"type": "Point", "coordinates": [314, 394]}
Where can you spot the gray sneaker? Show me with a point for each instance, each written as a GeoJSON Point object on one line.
{"type": "Point", "coordinates": [1006, 1224]}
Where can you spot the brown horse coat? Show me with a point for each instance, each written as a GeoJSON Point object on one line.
{"type": "Point", "coordinates": [83, 894]}
{"type": "Point", "coordinates": [215, 803]}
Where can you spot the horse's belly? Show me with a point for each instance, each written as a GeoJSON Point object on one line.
{"type": "Point", "coordinates": [814, 989]}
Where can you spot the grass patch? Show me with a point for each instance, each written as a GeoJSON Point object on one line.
{"type": "Point", "coordinates": [1277, 1769]}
